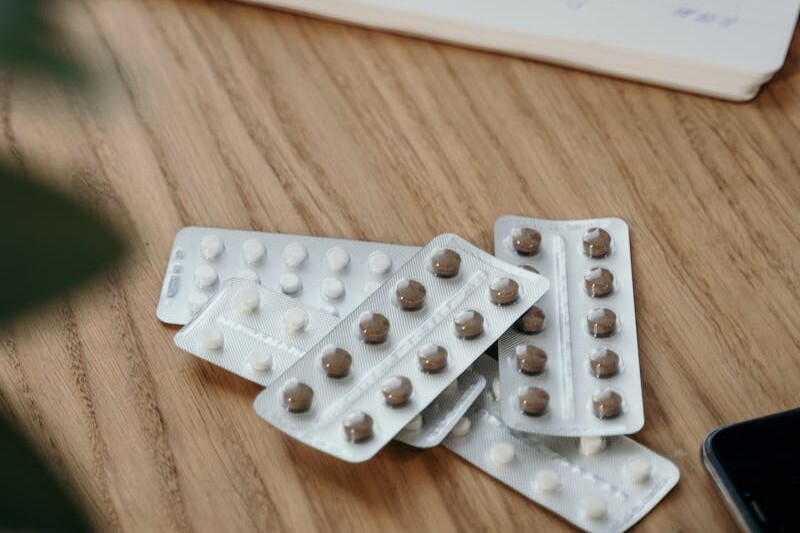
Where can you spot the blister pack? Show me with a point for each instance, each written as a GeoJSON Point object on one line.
{"type": "Point", "coordinates": [600, 484]}
{"type": "Point", "coordinates": [401, 348]}
{"type": "Point", "coordinates": [252, 331]}
{"type": "Point", "coordinates": [334, 275]}
{"type": "Point", "coordinates": [570, 365]}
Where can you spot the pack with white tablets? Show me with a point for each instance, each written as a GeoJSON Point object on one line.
{"type": "Point", "coordinates": [252, 331]}
{"type": "Point", "coordinates": [331, 274]}
{"type": "Point", "coordinates": [570, 365]}
{"type": "Point", "coordinates": [401, 348]}
{"type": "Point", "coordinates": [600, 484]}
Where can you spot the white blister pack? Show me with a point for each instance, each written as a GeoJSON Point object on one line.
{"type": "Point", "coordinates": [570, 366]}
{"type": "Point", "coordinates": [600, 484]}
{"type": "Point", "coordinates": [252, 331]}
{"type": "Point", "coordinates": [399, 349]}
{"type": "Point", "coordinates": [331, 274]}
{"type": "Point", "coordinates": [437, 420]}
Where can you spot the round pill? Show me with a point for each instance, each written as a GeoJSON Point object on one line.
{"type": "Point", "coordinates": [336, 361]}
{"type": "Point", "coordinates": [290, 283]}
{"type": "Point", "coordinates": [297, 396]}
{"type": "Point", "coordinates": [415, 424]}
{"type": "Point", "coordinates": [606, 404]}
{"type": "Point", "coordinates": [197, 301]}
{"type": "Point", "coordinates": [253, 251]}
{"type": "Point", "coordinates": [531, 322]}
{"type": "Point", "coordinates": [596, 242]}
{"type": "Point", "coordinates": [357, 426]}
{"type": "Point", "coordinates": [260, 360]}
{"type": "Point", "coordinates": [432, 358]}
{"type": "Point", "coordinates": [211, 247]}
{"type": "Point", "coordinates": [533, 401]}
{"type": "Point", "coordinates": [332, 288]}
{"type": "Point", "coordinates": [462, 427]}
{"type": "Point", "coordinates": [396, 390]}
{"type": "Point", "coordinates": [529, 268]}
{"type": "Point", "coordinates": [249, 275]}
{"type": "Point", "coordinates": [445, 262]}
{"type": "Point", "coordinates": [379, 263]}
{"type": "Point", "coordinates": [294, 254]}
{"type": "Point", "coordinates": [374, 327]}
{"type": "Point", "coordinates": [337, 259]}
{"type": "Point", "coordinates": [371, 286]}
{"type": "Point", "coordinates": [295, 320]}
{"type": "Point", "coordinates": [604, 362]}
{"type": "Point", "coordinates": [410, 294]}
{"type": "Point", "coordinates": [531, 360]}
{"type": "Point", "coordinates": [504, 291]}
{"type": "Point", "coordinates": [602, 322]}
{"type": "Point", "coordinates": [598, 281]}
{"type": "Point", "coordinates": [496, 389]}
{"type": "Point", "coordinates": [248, 300]}
{"type": "Point", "coordinates": [214, 340]}
{"type": "Point", "coordinates": [468, 324]}
{"type": "Point", "coordinates": [205, 276]}
{"type": "Point", "coordinates": [547, 481]}
{"type": "Point", "coordinates": [639, 470]}
{"type": "Point", "coordinates": [592, 445]}
{"type": "Point", "coordinates": [501, 453]}
{"type": "Point", "coordinates": [450, 389]}
{"type": "Point", "coordinates": [595, 508]}
{"type": "Point", "coordinates": [526, 240]}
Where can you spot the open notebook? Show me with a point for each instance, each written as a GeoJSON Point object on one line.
{"type": "Point", "coordinates": [723, 48]}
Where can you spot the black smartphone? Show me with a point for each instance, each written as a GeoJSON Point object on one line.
{"type": "Point", "coordinates": [756, 465]}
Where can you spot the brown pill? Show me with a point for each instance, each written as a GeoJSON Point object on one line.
{"type": "Point", "coordinates": [432, 358]}
{"type": "Point", "coordinates": [604, 362]}
{"type": "Point", "coordinates": [532, 321]}
{"type": "Point", "coordinates": [606, 404]}
{"type": "Point", "coordinates": [445, 262]}
{"type": "Point", "coordinates": [297, 396]}
{"type": "Point", "coordinates": [374, 327]}
{"type": "Point", "coordinates": [531, 360]}
{"type": "Point", "coordinates": [410, 294]}
{"type": "Point", "coordinates": [358, 426]}
{"type": "Point", "coordinates": [396, 390]}
{"type": "Point", "coordinates": [529, 268]}
{"type": "Point", "coordinates": [596, 242]}
{"type": "Point", "coordinates": [533, 401]}
{"type": "Point", "coordinates": [336, 361]}
{"type": "Point", "coordinates": [599, 281]}
{"type": "Point", "coordinates": [468, 324]}
{"type": "Point", "coordinates": [526, 241]}
{"type": "Point", "coordinates": [602, 322]}
{"type": "Point", "coordinates": [504, 291]}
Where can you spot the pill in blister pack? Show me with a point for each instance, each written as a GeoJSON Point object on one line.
{"type": "Point", "coordinates": [600, 484]}
{"type": "Point", "coordinates": [255, 332]}
{"type": "Point", "coordinates": [331, 274]}
{"type": "Point", "coordinates": [570, 366]}
{"type": "Point", "coordinates": [420, 331]}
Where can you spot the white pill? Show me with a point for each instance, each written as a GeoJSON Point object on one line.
{"type": "Point", "coordinates": [415, 424]}
{"type": "Point", "coordinates": [379, 263]}
{"type": "Point", "coordinates": [332, 288]}
{"type": "Point", "coordinates": [248, 300]}
{"type": "Point", "coordinates": [370, 287]}
{"type": "Point", "coordinates": [197, 300]}
{"type": "Point", "coordinates": [290, 283]}
{"type": "Point", "coordinates": [462, 427]}
{"type": "Point", "coordinates": [295, 320]}
{"type": "Point", "coordinates": [211, 246]}
{"type": "Point", "coordinates": [253, 251]}
{"type": "Point", "coordinates": [496, 389]}
{"type": "Point", "coordinates": [205, 276]}
{"type": "Point", "coordinates": [294, 254]}
{"type": "Point", "coordinates": [260, 360]}
{"type": "Point", "coordinates": [328, 308]}
{"type": "Point", "coordinates": [595, 508]}
{"type": "Point", "coordinates": [337, 259]}
{"type": "Point", "coordinates": [501, 453]}
{"type": "Point", "coordinates": [592, 445]}
{"type": "Point", "coordinates": [547, 481]}
{"type": "Point", "coordinates": [214, 340]}
{"type": "Point", "coordinates": [249, 275]}
{"type": "Point", "coordinates": [639, 470]}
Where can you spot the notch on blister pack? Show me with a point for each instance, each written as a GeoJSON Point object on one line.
{"type": "Point", "coordinates": [427, 324]}
{"type": "Point", "coordinates": [570, 365]}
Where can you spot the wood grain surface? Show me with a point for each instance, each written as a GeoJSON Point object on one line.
{"type": "Point", "coordinates": [226, 114]}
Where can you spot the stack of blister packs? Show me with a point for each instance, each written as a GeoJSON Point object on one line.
{"type": "Point", "coordinates": [361, 343]}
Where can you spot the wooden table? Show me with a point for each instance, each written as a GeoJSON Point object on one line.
{"type": "Point", "coordinates": [224, 114]}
